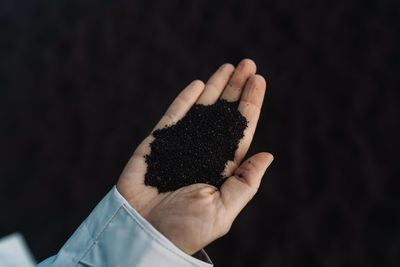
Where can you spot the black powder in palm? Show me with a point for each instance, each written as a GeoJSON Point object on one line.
{"type": "Point", "coordinates": [196, 148]}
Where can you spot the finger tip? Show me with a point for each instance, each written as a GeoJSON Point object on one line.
{"type": "Point", "coordinates": [249, 65]}
{"type": "Point", "coordinates": [198, 82]}
{"type": "Point", "coordinates": [260, 79]}
{"type": "Point", "coordinates": [268, 157]}
{"type": "Point", "coordinates": [247, 60]}
{"type": "Point", "coordinates": [228, 65]}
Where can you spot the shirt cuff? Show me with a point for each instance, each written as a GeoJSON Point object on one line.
{"type": "Point", "coordinates": [201, 254]}
{"type": "Point", "coordinates": [115, 234]}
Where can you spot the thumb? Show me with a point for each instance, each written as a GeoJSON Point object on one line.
{"type": "Point", "coordinates": [240, 188]}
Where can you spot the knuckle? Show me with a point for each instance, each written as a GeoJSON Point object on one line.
{"type": "Point", "coordinates": [171, 113]}
{"type": "Point", "coordinates": [170, 116]}
{"type": "Point", "coordinates": [212, 86]}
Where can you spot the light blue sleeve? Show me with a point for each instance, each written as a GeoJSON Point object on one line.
{"type": "Point", "coordinates": [115, 234]}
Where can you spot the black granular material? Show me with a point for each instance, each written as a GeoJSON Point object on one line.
{"type": "Point", "coordinates": [196, 148]}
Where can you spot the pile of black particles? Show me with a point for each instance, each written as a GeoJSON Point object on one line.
{"type": "Point", "coordinates": [196, 148]}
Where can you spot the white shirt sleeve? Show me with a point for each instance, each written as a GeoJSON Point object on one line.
{"type": "Point", "coordinates": [115, 234]}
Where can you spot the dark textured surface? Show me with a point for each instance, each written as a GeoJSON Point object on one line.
{"type": "Point", "coordinates": [82, 83]}
{"type": "Point", "coordinates": [196, 148]}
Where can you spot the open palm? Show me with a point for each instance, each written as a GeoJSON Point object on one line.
{"type": "Point", "coordinates": [195, 215]}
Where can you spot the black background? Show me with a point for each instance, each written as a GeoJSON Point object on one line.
{"type": "Point", "coordinates": [82, 83]}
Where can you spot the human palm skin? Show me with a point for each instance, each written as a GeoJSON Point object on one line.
{"type": "Point", "coordinates": [195, 215]}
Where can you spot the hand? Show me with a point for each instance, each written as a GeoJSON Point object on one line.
{"type": "Point", "coordinates": [194, 216]}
